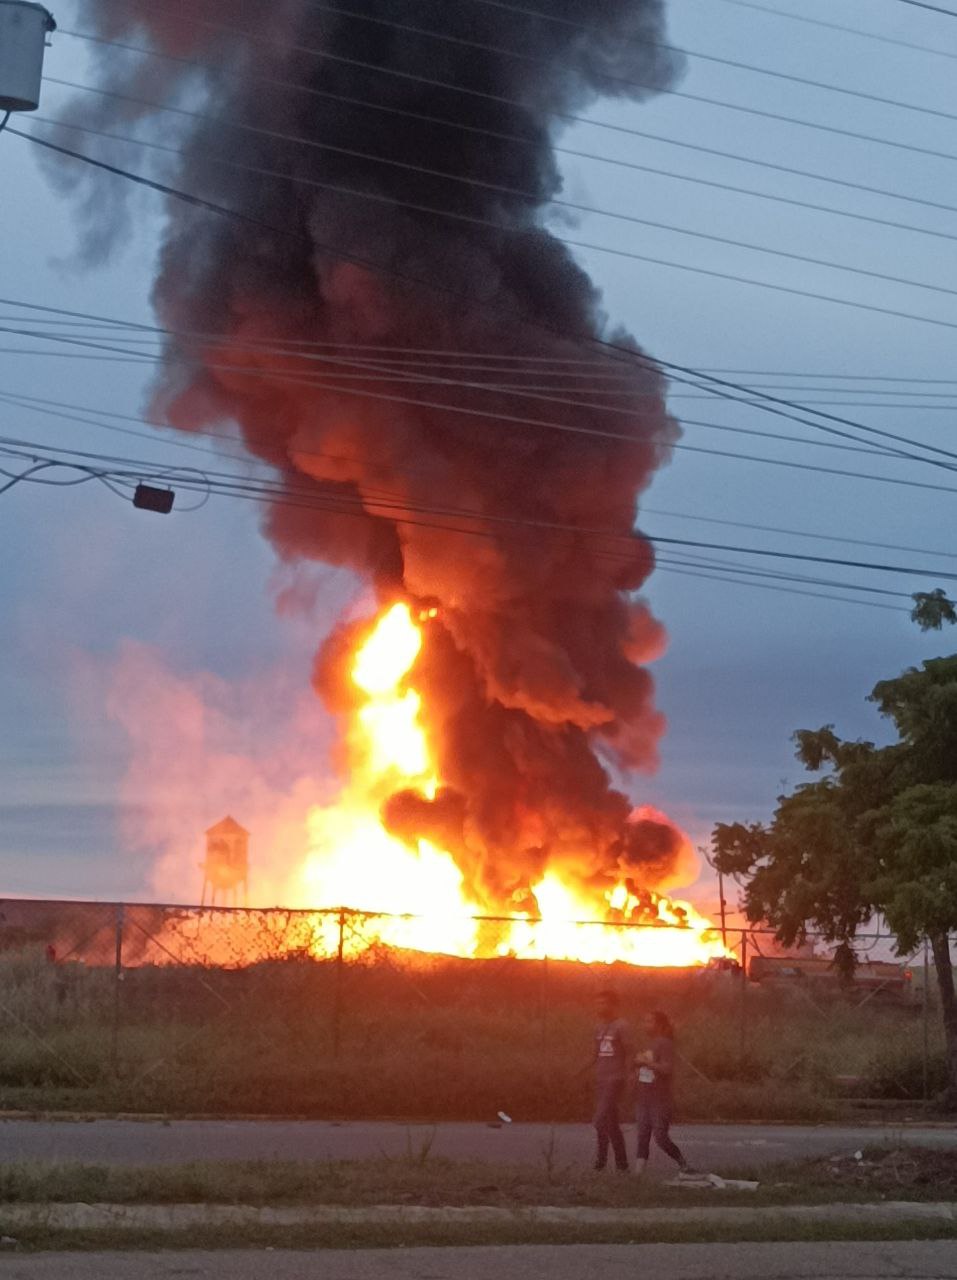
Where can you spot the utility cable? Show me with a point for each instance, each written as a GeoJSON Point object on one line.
{"type": "Point", "coordinates": [517, 139]}
{"type": "Point", "coordinates": [721, 387]}
{"type": "Point", "coordinates": [934, 8]}
{"type": "Point", "coordinates": [474, 220]}
{"type": "Point", "coordinates": [586, 29]}
{"type": "Point", "coordinates": [344, 255]}
{"type": "Point", "coordinates": [834, 26]}
{"type": "Point", "coordinates": [93, 416]}
{"type": "Point", "coordinates": [713, 184]}
{"type": "Point", "coordinates": [497, 416]}
{"type": "Point", "coordinates": [142, 331]}
{"type": "Point", "coordinates": [549, 526]}
{"type": "Point", "coordinates": [725, 577]}
{"type": "Point", "coordinates": [257, 40]}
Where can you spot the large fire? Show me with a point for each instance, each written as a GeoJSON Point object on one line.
{"type": "Point", "coordinates": [355, 862]}
{"type": "Point", "coordinates": [428, 373]}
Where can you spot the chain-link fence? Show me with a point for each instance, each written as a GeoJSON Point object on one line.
{"type": "Point", "coordinates": [146, 1007]}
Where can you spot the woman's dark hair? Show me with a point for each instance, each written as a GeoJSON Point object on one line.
{"type": "Point", "coordinates": [662, 1024]}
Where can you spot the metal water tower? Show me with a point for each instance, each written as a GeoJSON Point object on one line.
{"type": "Point", "coordinates": [226, 869]}
{"type": "Point", "coordinates": [24, 28]}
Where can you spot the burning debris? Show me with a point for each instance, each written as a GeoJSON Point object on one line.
{"type": "Point", "coordinates": [502, 677]}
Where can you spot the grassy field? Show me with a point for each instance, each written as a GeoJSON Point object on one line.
{"type": "Point", "coordinates": [428, 1039]}
{"type": "Point", "coordinates": [900, 1175]}
{"type": "Point", "coordinates": [913, 1174]}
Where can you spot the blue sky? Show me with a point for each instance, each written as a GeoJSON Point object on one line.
{"type": "Point", "coordinates": [82, 574]}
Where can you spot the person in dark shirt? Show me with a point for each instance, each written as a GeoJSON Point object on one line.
{"type": "Point", "coordinates": [655, 1093]}
{"type": "Point", "coordinates": [612, 1060]}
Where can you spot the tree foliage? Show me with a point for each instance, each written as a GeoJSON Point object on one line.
{"type": "Point", "coordinates": [875, 834]}
{"type": "Point", "coordinates": [932, 609]}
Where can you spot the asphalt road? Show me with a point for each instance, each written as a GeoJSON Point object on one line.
{"type": "Point", "coordinates": [708, 1147]}
{"type": "Point", "coordinates": [926, 1260]}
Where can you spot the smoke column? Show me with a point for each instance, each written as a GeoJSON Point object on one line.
{"type": "Point", "coordinates": [532, 671]}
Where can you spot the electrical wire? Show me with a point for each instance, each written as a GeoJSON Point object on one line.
{"type": "Point", "coordinates": [518, 140]}
{"type": "Point", "coordinates": [344, 255]}
{"type": "Point", "coordinates": [834, 26]}
{"type": "Point", "coordinates": [500, 418]}
{"type": "Point", "coordinates": [498, 98]}
{"type": "Point", "coordinates": [306, 453]}
{"type": "Point", "coordinates": [92, 416]}
{"type": "Point", "coordinates": [728, 576]}
{"type": "Point", "coordinates": [796, 533]}
{"type": "Point", "coordinates": [225, 162]}
{"type": "Point", "coordinates": [415, 372]}
{"type": "Point", "coordinates": [405, 379]}
{"type": "Point", "coordinates": [828, 264]}
{"type": "Point", "coordinates": [242, 483]}
{"type": "Point", "coordinates": [475, 220]}
{"type": "Point", "coordinates": [499, 51]}
{"type": "Point", "coordinates": [496, 361]}
{"type": "Point", "coordinates": [569, 391]}
{"type": "Point", "coordinates": [934, 8]}
{"type": "Point", "coordinates": [870, 450]}
{"type": "Point", "coordinates": [141, 331]}
{"type": "Point", "coordinates": [719, 386]}
{"type": "Point", "coordinates": [645, 41]}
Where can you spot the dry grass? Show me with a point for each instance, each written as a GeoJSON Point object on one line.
{"type": "Point", "coordinates": [424, 1040]}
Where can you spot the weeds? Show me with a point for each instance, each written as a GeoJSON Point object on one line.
{"type": "Point", "coordinates": [418, 1156]}
{"type": "Point", "coordinates": [450, 1044]}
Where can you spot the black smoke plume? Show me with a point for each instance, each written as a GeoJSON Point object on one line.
{"type": "Point", "coordinates": [532, 670]}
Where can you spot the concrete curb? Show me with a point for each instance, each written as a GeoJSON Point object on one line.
{"type": "Point", "coordinates": [177, 1217]}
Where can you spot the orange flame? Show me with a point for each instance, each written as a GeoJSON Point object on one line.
{"type": "Point", "coordinates": [354, 862]}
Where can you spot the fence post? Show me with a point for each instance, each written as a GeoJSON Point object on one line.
{"type": "Point", "coordinates": [118, 923]}
{"type": "Point", "coordinates": [545, 1006]}
{"type": "Point", "coordinates": [743, 1028]}
{"type": "Point", "coordinates": [926, 1018]}
{"type": "Point", "coordinates": [337, 1000]}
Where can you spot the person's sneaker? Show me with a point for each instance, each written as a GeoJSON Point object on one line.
{"type": "Point", "coordinates": [640, 1166]}
{"type": "Point", "coordinates": [686, 1171]}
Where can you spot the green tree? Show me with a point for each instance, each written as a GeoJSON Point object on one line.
{"type": "Point", "coordinates": [932, 609]}
{"type": "Point", "coordinates": [876, 834]}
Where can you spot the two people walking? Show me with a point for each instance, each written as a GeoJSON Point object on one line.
{"type": "Point", "coordinates": [616, 1064]}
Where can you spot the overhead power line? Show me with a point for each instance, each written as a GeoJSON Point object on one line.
{"type": "Point", "coordinates": [739, 575]}
{"type": "Point", "coordinates": [835, 26]}
{"type": "Point", "coordinates": [829, 210]}
{"type": "Point", "coordinates": [134, 468]}
{"type": "Point", "coordinates": [517, 139]}
{"type": "Point", "coordinates": [569, 392]}
{"type": "Point", "coordinates": [680, 373]}
{"type": "Point", "coordinates": [257, 39]}
{"type": "Point", "coordinates": [470, 220]}
{"type": "Point", "coordinates": [495, 415]}
{"type": "Point", "coordinates": [934, 8]}
{"type": "Point", "coordinates": [93, 416]}
{"type": "Point", "coordinates": [722, 388]}
{"type": "Point", "coordinates": [501, 362]}
{"type": "Point", "coordinates": [585, 28]}
{"type": "Point", "coordinates": [683, 446]}
{"type": "Point", "coordinates": [474, 220]}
